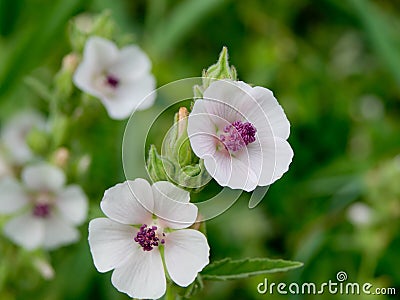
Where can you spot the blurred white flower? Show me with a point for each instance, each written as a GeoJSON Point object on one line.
{"type": "Point", "coordinates": [4, 167]}
{"type": "Point", "coordinates": [241, 133]}
{"type": "Point", "coordinates": [15, 132]}
{"type": "Point", "coordinates": [159, 214]}
{"type": "Point", "coordinates": [359, 214]}
{"type": "Point", "coordinates": [47, 212]}
{"type": "Point", "coordinates": [121, 79]}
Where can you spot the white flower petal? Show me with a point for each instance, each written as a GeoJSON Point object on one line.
{"type": "Point", "coordinates": [131, 63]}
{"type": "Point", "coordinates": [141, 276]}
{"type": "Point", "coordinates": [169, 190]}
{"type": "Point", "coordinates": [172, 207]}
{"type": "Point", "coordinates": [230, 171]}
{"type": "Point", "coordinates": [269, 111]}
{"type": "Point", "coordinates": [84, 78]}
{"type": "Point", "coordinates": [12, 196]}
{"type": "Point", "coordinates": [227, 99]}
{"type": "Point", "coordinates": [58, 233]}
{"type": "Point", "coordinates": [73, 204]}
{"type": "Point", "coordinates": [15, 132]}
{"type": "Point", "coordinates": [100, 51]}
{"type": "Point", "coordinates": [26, 231]}
{"type": "Point", "coordinates": [140, 91]}
{"type": "Point", "coordinates": [4, 167]}
{"type": "Point", "coordinates": [110, 243]}
{"type": "Point", "coordinates": [270, 161]}
{"type": "Point", "coordinates": [43, 176]}
{"type": "Point", "coordinates": [131, 96]}
{"type": "Point", "coordinates": [98, 55]}
{"type": "Point", "coordinates": [186, 253]}
{"type": "Point", "coordinates": [130, 202]}
{"type": "Point", "coordinates": [202, 130]}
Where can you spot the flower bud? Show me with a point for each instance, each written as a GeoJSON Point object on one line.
{"type": "Point", "coordinates": [83, 164]}
{"type": "Point", "coordinates": [63, 79]}
{"type": "Point", "coordinates": [193, 177]}
{"type": "Point", "coordinates": [61, 157]}
{"type": "Point", "coordinates": [219, 70]}
{"type": "Point", "coordinates": [157, 166]}
{"type": "Point", "coordinates": [60, 129]}
{"type": "Point", "coordinates": [176, 146]}
{"type": "Point", "coordinates": [86, 25]}
{"type": "Point", "coordinates": [37, 140]}
{"type": "Point", "coordinates": [44, 268]}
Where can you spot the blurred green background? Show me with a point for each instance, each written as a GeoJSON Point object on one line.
{"type": "Point", "coordinates": [335, 68]}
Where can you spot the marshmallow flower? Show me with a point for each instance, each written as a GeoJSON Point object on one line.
{"type": "Point", "coordinates": [15, 132]}
{"type": "Point", "coordinates": [121, 79]}
{"type": "Point", "coordinates": [4, 167]}
{"type": "Point", "coordinates": [46, 211]}
{"type": "Point", "coordinates": [145, 222]}
{"type": "Point", "coordinates": [241, 133]}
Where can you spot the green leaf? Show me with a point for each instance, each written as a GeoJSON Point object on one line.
{"type": "Point", "coordinates": [227, 268]}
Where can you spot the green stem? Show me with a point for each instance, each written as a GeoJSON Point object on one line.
{"type": "Point", "coordinates": [170, 293]}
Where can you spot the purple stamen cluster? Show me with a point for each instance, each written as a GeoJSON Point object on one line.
{"type": "Point", "coordinates": [41, 210]}
{"type": "Point", "coordinates": [112, 81]}
{"type": "Point", "coordinates": [147, 237]}
{"type": "Point", "coordinates": [238, 135]}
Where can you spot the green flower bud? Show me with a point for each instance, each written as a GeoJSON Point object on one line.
{"type": "Point", "coordinates": [38, 141]}
{"type": "Point", "coordinates": [60, 128]}
{"type": "Point", "coordinates": [219, 70]}
{"type": "Point", "coordinates": [63, 79]}
{"type": "Point", "coordinates": [193, 177]}
{"type": "Point", "coordinates": [86, 25]}
{"type": "Point", "coordinates": [176, 146]}
{"type": "Point", "coordinates": [192, 171]}
{"type": "Point", "coordinates": [157, 166]}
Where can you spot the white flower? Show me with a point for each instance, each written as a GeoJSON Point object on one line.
{"type": "Point", "coordinates": [48, 211]}
{"type": "Point", "coordinates": [241, 133]}
{"type": "Point", "coordinates": [121, 79]}
{"type": "Point", "coordinates": [144, 219]}
{"type": "Point", "coordinates": [15, 132]}
{"type": "Point", "coordinates": [4, 167]}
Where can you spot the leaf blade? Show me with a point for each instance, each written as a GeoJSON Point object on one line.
{"type": "Point", "coordinates": [227, 269]}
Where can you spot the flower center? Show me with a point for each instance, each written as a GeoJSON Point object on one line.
{"type": "Point", "coordinates": [148, 237]}
{"type": "Point", "coordinates": [112, 81]}
{"type": "Point", "coordinates": [42, 205]}
{"type": "Point", "coordinates": [238, 135]}
{"type": "Point", "coordinates": [41, 210]}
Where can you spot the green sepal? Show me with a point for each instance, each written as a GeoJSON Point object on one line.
{"type": "Point", "coordinates": [220, 70]}
{"type": "Point", "coordinates": [157, 166]}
